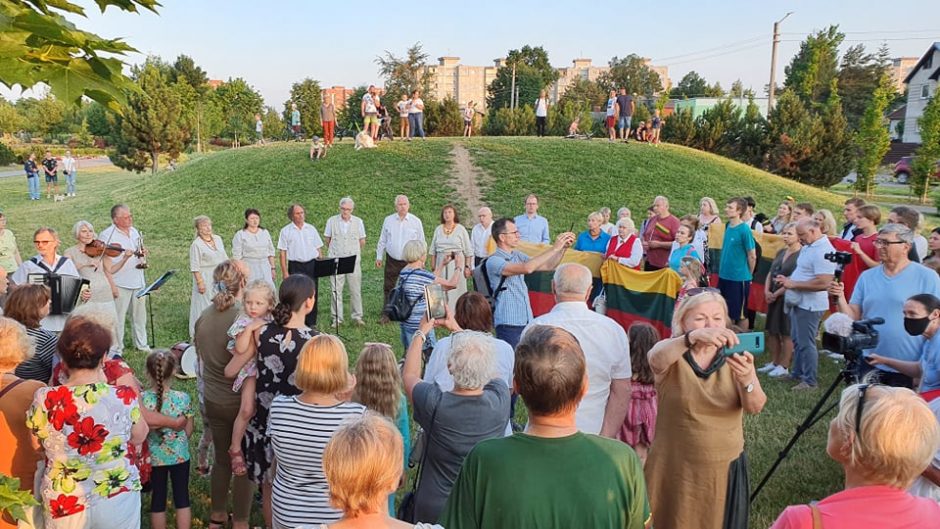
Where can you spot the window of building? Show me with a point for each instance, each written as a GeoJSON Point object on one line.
{"type": "Point", "coordinates": [928, 64]}
{"type": "Point", "coordinates": [925, 91]}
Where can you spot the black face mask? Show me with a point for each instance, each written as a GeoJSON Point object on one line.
{"type": "Point", "coordinates": [916, 326]}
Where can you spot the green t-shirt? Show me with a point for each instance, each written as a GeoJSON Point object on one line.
{"type": "Point", "coordinates": [522, 481]}
{"type": "Point", "coordinates": [738, 242]}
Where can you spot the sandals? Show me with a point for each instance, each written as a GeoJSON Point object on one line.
{"type": "Point", "coordinates": [239, 468]}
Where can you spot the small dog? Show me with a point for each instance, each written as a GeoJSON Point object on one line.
{"type": "Point", "coordinates": [364, 141]}
{"type": "Point", "coordinates": [58, 198]}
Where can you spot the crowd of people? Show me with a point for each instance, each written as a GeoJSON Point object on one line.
{"type": "Point", "coordinates": [624, 428]}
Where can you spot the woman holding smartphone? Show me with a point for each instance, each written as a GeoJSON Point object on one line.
{"type": "Point", "coordinates": [413, 278]}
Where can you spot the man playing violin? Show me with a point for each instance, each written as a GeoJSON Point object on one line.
{"type": "Point", "coordinates": [47, 261]}
{"type": "Point", "coordinates": [128, 275]}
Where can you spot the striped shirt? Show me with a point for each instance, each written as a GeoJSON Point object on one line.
{"type": "Point", "coordinates": [299, 433]}
{"type": "Point", "coordinates": [512, 304]}
{"type": "Point", "coordinates": [413, 281]}
{"type": "Point", "coordinates": [39, 367]}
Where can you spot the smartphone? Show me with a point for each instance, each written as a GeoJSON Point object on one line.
{"type": "Point", "coordinates": [752, 342]}
{"type": "Point", "coordinates": [86, 287]}
{"type": "Point", "coordinates": [436, 302]}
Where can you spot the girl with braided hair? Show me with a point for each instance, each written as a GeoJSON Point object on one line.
{"type": "Point", "coordinates": [169, 448]}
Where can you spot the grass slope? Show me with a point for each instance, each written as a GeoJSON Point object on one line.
{"type": "Point", "coordinates": [572, 177]}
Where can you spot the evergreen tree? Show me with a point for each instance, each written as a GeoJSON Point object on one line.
{"type": "Point", "coordinates": [308, 97]}
{"type": "Point", "coordinates": [749, 143]}
{"type": "Point", "coordinates": [584, 92]}
{"type": "Point", "coordinates": [873, 139]}
{"type": "Point", "coordinates": [633, 73]}
{"type": "Point", "coordinates": [927, 155]}
{"type": "Point", "coordinates": [794, 134]}
{"type": "Point", "coordinates": [405, 74]}
{"type": "Point", "coordinates": [812, 69]}
{"type": "Point", "coordinates": [834, 155]}
{"type": "Point", "coordinates": [859, 78]}
{"type": "Point", "coordinates": [679, 128]}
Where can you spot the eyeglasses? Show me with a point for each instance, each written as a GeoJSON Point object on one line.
{"type": "Point", "coordinates": [884, 242]}
{"type": "Point", "coordinates": [39, 243]}
{"type": "Point", "coordinates": [511, 232]}
{"type": "Point", "coordinates": [701, 290]}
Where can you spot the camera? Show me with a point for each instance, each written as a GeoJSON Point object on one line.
{"type": "Point", "coordinates": [840, 259]}
{"type": "Point", "coordinates": [861, 336]}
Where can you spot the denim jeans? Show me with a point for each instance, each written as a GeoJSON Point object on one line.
{"type": "Point", "coordinates": [804, 327]}
{"type": "Point", "coordinates": [624, 122]}
{"type": "Point", "coordinates": [33, 181]}
{"type": "Point", "coordinates": [416, 124]}
{"type": "Point", "coordinates": [510, 334]}
{"type": "Point", "coordinates": [70, 182]}
{"type": "Point", "coordinates": [407, 334]}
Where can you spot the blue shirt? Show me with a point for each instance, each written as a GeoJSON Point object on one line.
{"type": "Point", "coordinates": [881, 296]}
{"type": "Point", "coordinates": [737, 243]}
{"type": "Point", "coordinates": [930, 364]}
{"type": "Point", "coordinates": [532, 230]}
{"type": "Point", "coordinates": [586, 243]}
{"type": "Point", "coordinates": [512, 304]}
{"type": "Point", "coordinates": [675, 258]}
{"type": "Point", "coordinates": [811, 263]}
{"type": "Point", "coordinates": [413, 281]}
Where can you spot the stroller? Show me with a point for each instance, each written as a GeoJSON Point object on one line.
{"type": "Point", "coordinates": [385, 124]}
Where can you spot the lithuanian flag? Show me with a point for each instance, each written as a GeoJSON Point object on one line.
{"type": "Point", "coordinates": [769, 243]}
{"type": "Point", "coordinates": [649, 297]}
{"type": "Point", "coordinates": [540, 283]}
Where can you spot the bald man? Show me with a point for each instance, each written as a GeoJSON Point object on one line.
{"type": "Point", "coordinates": [658, 235]}
{"type": "Point", "coordinates": [481, 234]}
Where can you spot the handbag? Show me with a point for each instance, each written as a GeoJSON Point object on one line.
{"type": "Point", "coordinates": [406, 509]}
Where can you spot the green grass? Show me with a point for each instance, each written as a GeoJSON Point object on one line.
{"type": "Point", "coordinates": [571, 177]}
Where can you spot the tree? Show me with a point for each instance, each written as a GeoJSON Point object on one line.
{"type": "Point", "coordinates": [153, 122]}
{"type": "Point", "coordinates": [794, 134]}
{"type": "Point", "coordinates": [10, 119]}
{"type": "Point", "coordinates": [873, 139]}
{"type": "Point", "coordinates": [812, 69]}
{"type": "Point", "coordinates": [715, 127]}
{"type": "Point", "coordinates": [405, 74]}
{"type": "Point", "coordinates": [44, 115]}
{"type": "Point", "coordinates": [859, 78]}
{"type": "Point", "coordinates": [308, 98]}
{"type": "Point", "coordinates": [443, 118]}
{"type": "Point", "coordinates": [352, 112]}
{"type": "Point", "coordinates": [186, 70]}
{"type": "Point", "coordinates": [274, 126]}
{"type": "Point", "coordinates": [834, 156]}
{"type": "Point", "coordinates": [239, 103]}
{"type": "Point", "coordinates": [633, 73]}
{"type": "Point", "coordinates": [41, 46]}
{"type": "Point", "coordinates": [927, 155]}
{"type": "Point", "coordinates": [96, 116]}
{"type": "Point", "coordinates": [680, 128]}
{"type": "Point", "coordinates": [584, 92]}
{"type": "Point", "coordinates": [533, 73]}
{"type": "Point", "coordinates": [749, 139]}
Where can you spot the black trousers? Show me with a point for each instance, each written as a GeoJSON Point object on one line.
{"type": "Point", "coordinates": [160, 479]}
{"type": "Point", "coordinates": [307, 269]}
{"type": "Point", "coordinates": [540, 125]}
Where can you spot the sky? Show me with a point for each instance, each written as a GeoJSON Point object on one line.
{"type": "Point", "coordinates": [274, 43]}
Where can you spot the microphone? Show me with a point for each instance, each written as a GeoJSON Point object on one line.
{"type": "Point", "coordinates": [838, 324]}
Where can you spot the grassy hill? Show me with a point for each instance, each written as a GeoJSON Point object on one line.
{"type": "Point", "coordinates": [573, 178]}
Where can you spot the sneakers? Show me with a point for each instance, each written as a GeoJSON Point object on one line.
{"type": "Point", "coordinates": [778, 372]}
{"type": "Point", "coordinates": [835, 356]}
{"type": "Point", "coordinates": [767, 368]}
{"type": "Point", "coordinates": [803, 386]}
{"type": "Point", "coordinates": [359, 323]}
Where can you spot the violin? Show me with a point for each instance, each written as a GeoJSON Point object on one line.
{"type": "Point", "coordinates": [97, 247]}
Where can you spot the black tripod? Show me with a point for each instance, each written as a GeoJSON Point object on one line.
{"type": "Point", "coordinates": [848, 375]}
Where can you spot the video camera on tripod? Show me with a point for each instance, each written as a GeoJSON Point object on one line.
{"type": "Point", "coordinates": [849, 341]}
{"type": "Point", "coordinates": [840, 259]}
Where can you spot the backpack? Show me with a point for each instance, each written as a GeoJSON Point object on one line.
{"type": "Point", "coordinates": [398, 307]}
{"type": "Point", "coordinates": [481, 282]}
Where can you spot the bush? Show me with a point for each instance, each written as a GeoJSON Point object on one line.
{"type": "Point", "coordinates": [442, 118]}
{"type": "Point", "coordinates": [7, 156]}
{"type": "Point", "coordinates": [679, 128]}
{"type": "Point", "coordinates": [508, 122]}
{"type": "Point", "coordinates": [560, 117]}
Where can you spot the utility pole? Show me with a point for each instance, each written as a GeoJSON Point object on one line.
{"type": "Point", "coordinates": [773, 62]}
{"type": "Point", "coordinates": [512, 90]}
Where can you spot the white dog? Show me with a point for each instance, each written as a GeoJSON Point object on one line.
{"type": "Point", "coordinates": [364, 141]}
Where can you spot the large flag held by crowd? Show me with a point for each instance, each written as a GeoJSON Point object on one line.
{"type": "Point", "coordinates": [768, 245]}
{"type": "Point", "coordinates": [631, 295]}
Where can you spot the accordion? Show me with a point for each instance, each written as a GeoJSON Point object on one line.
{"type": "Point", "coordinates": [64, 291]}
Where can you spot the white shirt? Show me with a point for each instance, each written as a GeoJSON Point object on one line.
{"type": "Point", "coordinates": [247, 245]}
{"type": "Point", "coordinates": [68, 164]}
{"type": "Point", "coordinates": [636, 252]}
{"type": "Point", "coordinates": [920, 246]}
{"type": "Point", "coordinates": [301, 244]}
{"type": "Point", "coordinates": [129, 276]}
{"type": "Point", "coordinates": [479, 239]}
{"type": "Point", "coordinates": [610, 229]}
{"type": "Point", "coordinates": [541, 107]}
{"type": "Point", "coordinates": [395, 233]}
{"type": "Point", "coordinates": [606, 351]}
{"type": "Point", "coordinates": [403, 108]}
{"type": "Point", "coordinates": [436, 370]}
{"type": "Point", "coordinates": [416, 106]}
{"type": "Point", "coordinates": [344, 226]}
{"type": "Point", "coordinates": [370, 103]}
{"type": "Point", "coordinates": [52, 322]}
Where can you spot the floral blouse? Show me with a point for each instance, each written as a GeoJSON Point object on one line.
{"type": "Point", "coordinates": [168, 447]}
{"type": "Point", "coordinates": [85, 432]}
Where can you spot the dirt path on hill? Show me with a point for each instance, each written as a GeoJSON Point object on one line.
{"type": "Point", "coordinates": [468, 180]}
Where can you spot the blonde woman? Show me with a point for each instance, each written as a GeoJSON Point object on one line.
{"type": "Point", "coordinates": [97, 270]}
{"type": "Point", "coordinates": [694, 380]}
{"type": "Point", "coordinates": [205, 253]}
{"type": "Point", "coordinates": [363, 463]}
{"type": "Point", "coordinates": [784, 217]}
{"type": "Point", "coordinates": [883, 437]}
{"type": "Point", "coordinates": [301, 425]}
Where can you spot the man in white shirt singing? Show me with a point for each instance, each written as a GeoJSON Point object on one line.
{"type": "Point", "coordinates": [346, 235]}
{"type": "Point", "coordinates": [480, 235]}
{"type": "Point", "coordinates": [127, 271]}
{"type": "Point", "coordinates": [299, 245]}
{"type": "Point", "coordinates": [397, 229]}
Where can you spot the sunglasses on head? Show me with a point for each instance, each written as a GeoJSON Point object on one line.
{"type": "Point", "coordinates": [701, 290]}
{"type": "Point", "coordinates": [862, 390]}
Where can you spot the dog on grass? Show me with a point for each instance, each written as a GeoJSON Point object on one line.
{"type": "Point", "coordinates": [58, 198]}
{"type": "Point", "coordinates": [364, 141]}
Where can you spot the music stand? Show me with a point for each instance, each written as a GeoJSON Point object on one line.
{"type": "Point", "coordinates": [332, 267]}
{"type": "Point", "coordinates": [150, 289]}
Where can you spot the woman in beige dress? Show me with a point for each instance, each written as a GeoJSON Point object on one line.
{"type": "Point", "coordinates": [97, 270]}
{"type": "Point", "coordinates": [450, 237]}
{"type": "Point", "coordinates": [206, 252]}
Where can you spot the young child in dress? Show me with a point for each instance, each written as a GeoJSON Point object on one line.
{"type": "Point", "coordinates": [639, 426]}
{"type": "Point", "coordinates": [379, 388]}
{"type": "Point", "coordinates": [259, 301]}
{"type": "Point", "coordinates": [691, 271]}
{"type": "Point", "coordinates": [169, 449]}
